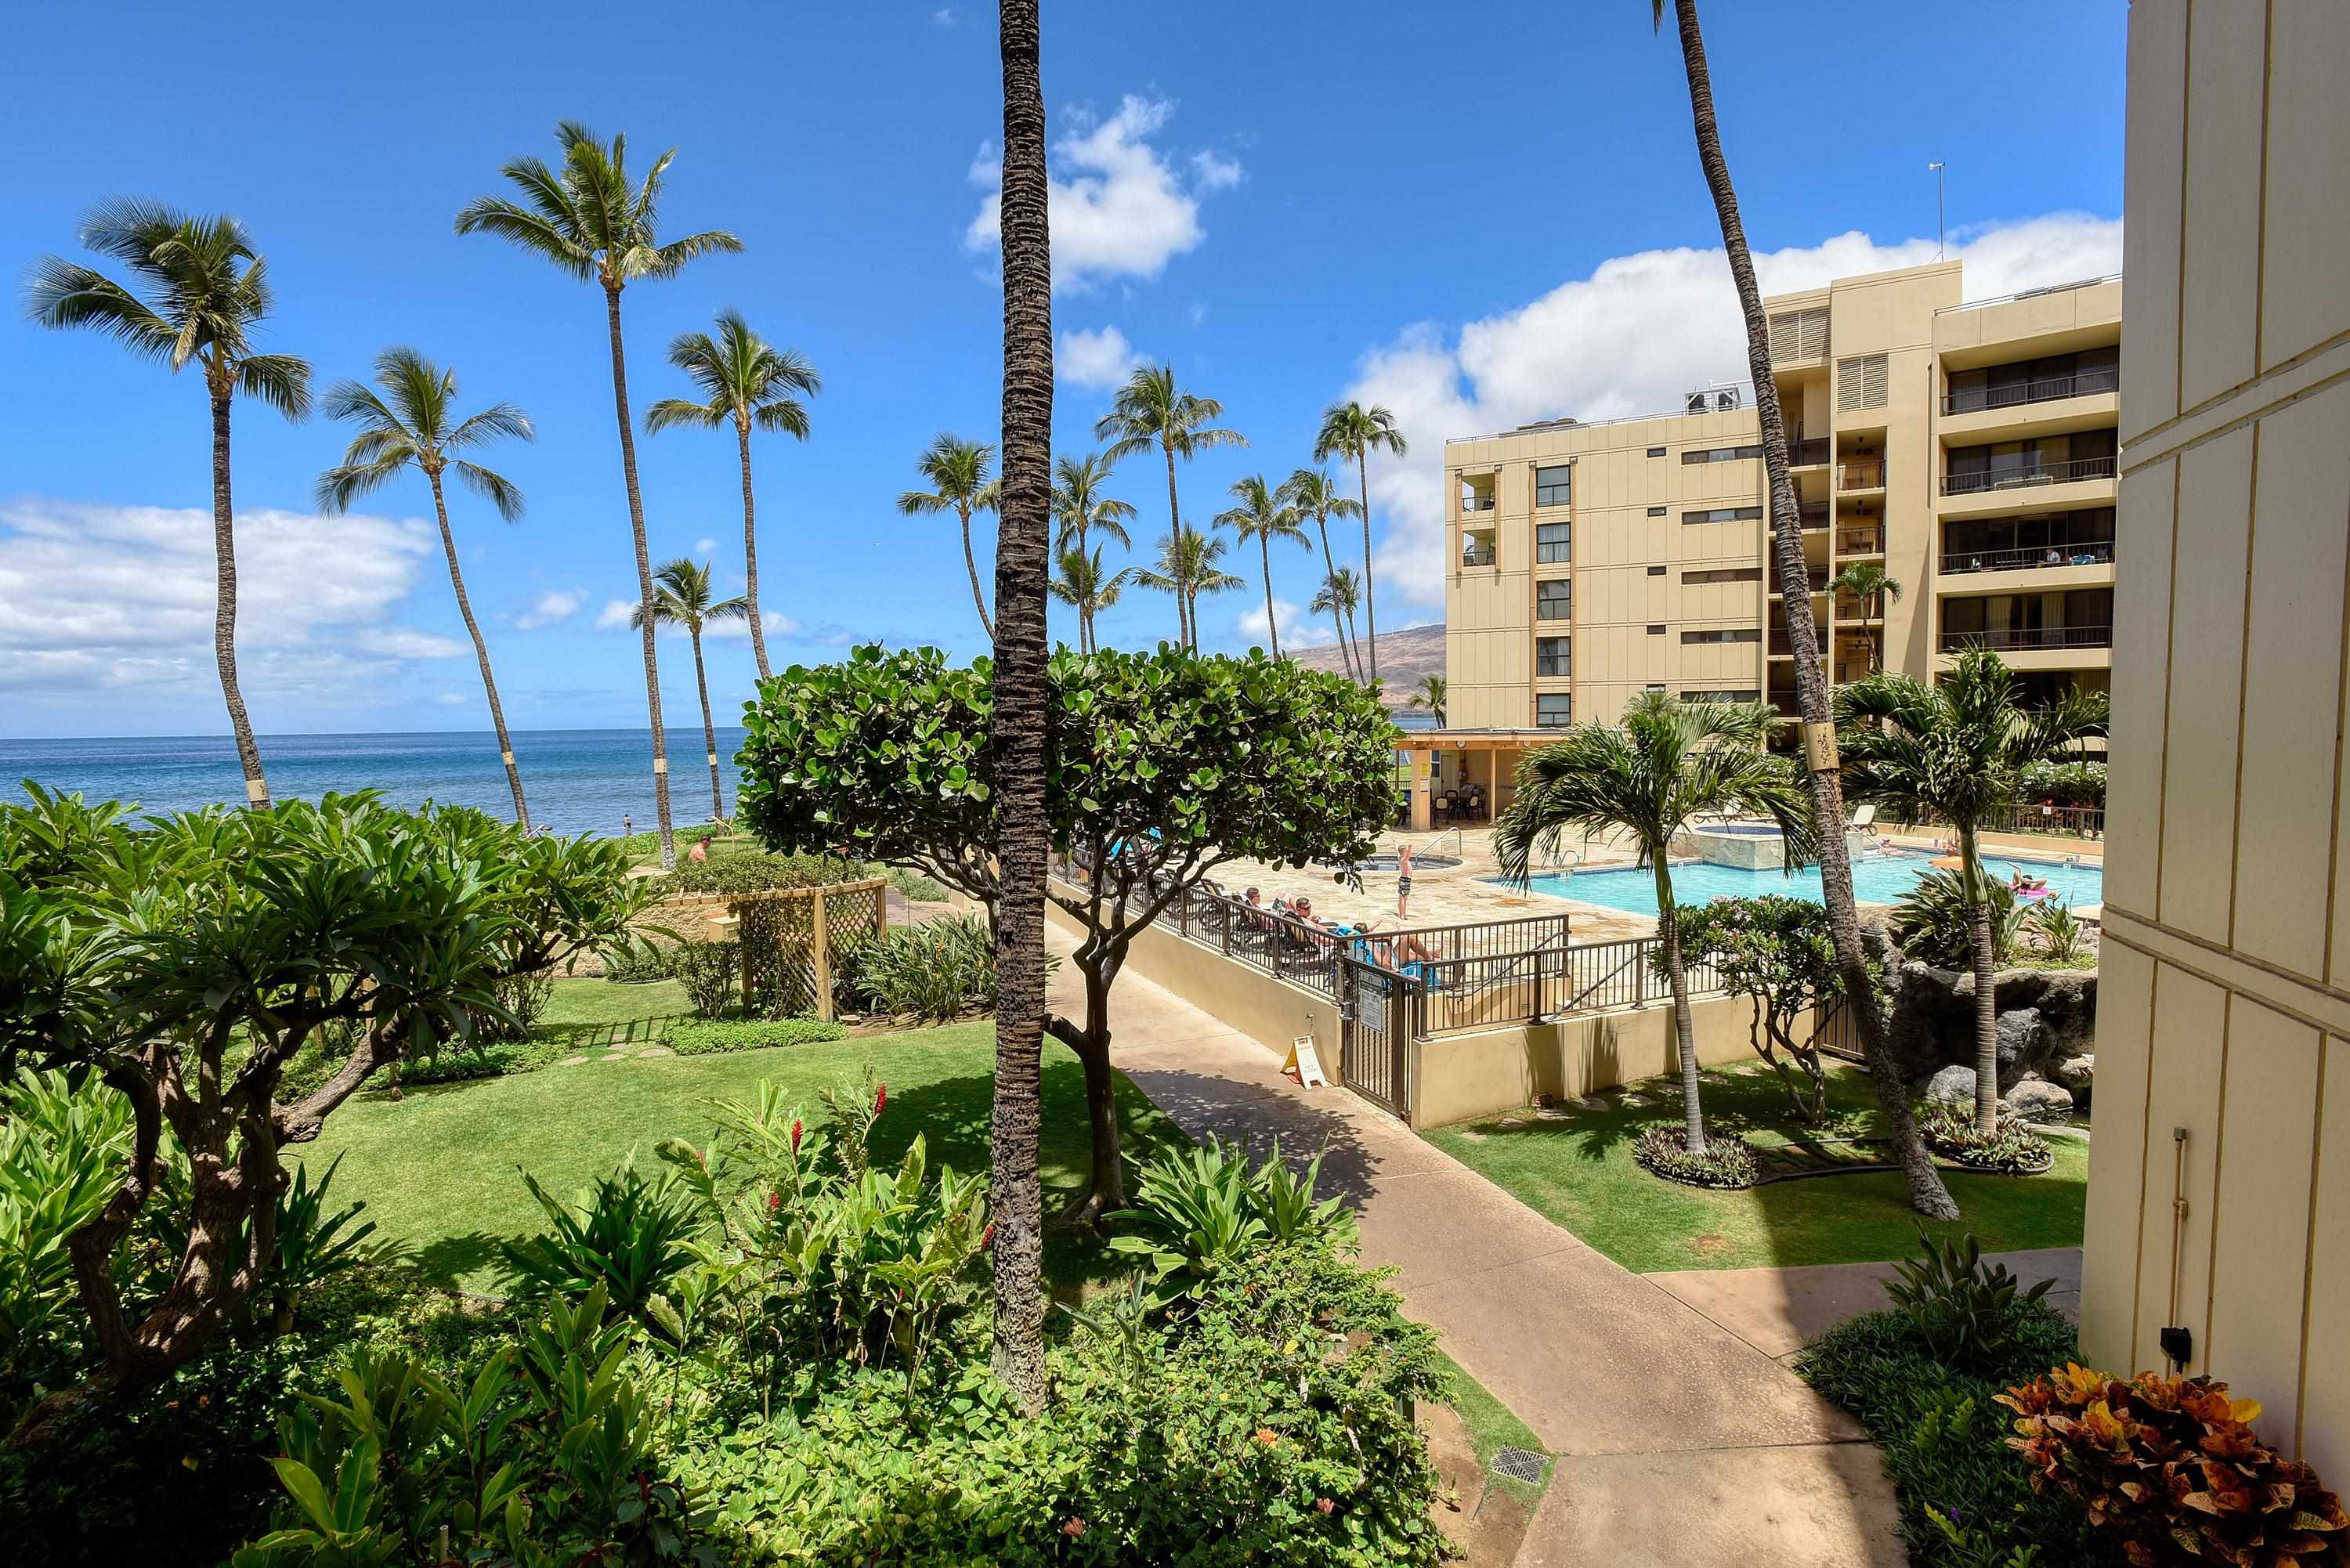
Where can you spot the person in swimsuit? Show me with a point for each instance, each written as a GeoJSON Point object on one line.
{"type": "Point", "coordinates": [1403, 881]}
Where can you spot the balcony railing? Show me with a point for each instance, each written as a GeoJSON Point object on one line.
{"type": "Point", "coordinates": [1866, 474]}
{"type": "Point", "coordinates": [1860, 541]}
{"type": "Point", "coordinates": [1802, 454]}
{"type": "Point", "coordinates": [2010, 639]}
{"type": "Point", "coordinates": [1814, 517]}
{"type": "Point", "coordinates": [2079, 384]}
{"type": "Point", "coordinates": [1480, 556]}
{"type": "Point", "coordinates": [1476, 503]}
{"type": "Point", "coordinates": [2099, 553]}
{"type": "Point", "coordinates": [2035, 474]}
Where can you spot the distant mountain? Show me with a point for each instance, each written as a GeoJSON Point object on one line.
{"type": "Point", "coordinates": [1405, 656]}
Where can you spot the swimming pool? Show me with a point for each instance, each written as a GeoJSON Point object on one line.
{"type": "Point", "coordinates": [1876, 879]}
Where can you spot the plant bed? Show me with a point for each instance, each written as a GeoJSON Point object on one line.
{"type": "Point", "coordinates": [2009, 1149]}
{"type": "Point", "coordinates": [1728, 1161]}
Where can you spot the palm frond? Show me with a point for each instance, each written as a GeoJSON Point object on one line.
{"type": "Point", "coordinates": [531, 231]}
{"type": "Point", "coordinates": [784, 415]}
{"type": "Point", "coordinates": [682, 413]}
{"type": "Point", "coordinates": [340, 486]}
{"type": "Point", "coordinates": [281, 381]}
{"type": "Point", "coordinates": [62, 293]}
{"type": "Point", "coordinates": [498, 490]}
{"type": "Point", "coordinates": [496, 422]}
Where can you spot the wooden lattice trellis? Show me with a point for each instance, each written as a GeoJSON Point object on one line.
{"type": "Point", "coordinates": [788, 938]}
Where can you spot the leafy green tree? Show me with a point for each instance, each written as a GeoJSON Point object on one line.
{"type": "Point", "coordinates": [1429, 698]}
{"type": "Point", "coordinates": [1353, 431]}
{"type": "Point", "coordinates": [681, 599]}
{"type": "Point", "coordinates": [595, 224]}
{"type": "Point", "coordinates": [1262, 516]}
{"type": "Point", "coordinates": [1338, 595]}
{"type": "Point", "coordinates": [412, 423]}
{"type": "Point", "coordinates": [1186, 567]}
{"type": "Point", "coordinates": [209, 288]}
{"type": "Point", "coordinates": [1775, 951]}
{"type": "Point", "coordinates": [958, 471]}
{"type": "Point", "coordinates": [1151, 411]}
{"type": "Point", "coordinates": [1083, 587]}
{"type": "Point", "coordinates": [1868, 587]}
{"type": "Point", "coordinates": [1161, 767]}
{"type": "Point", "coordinates": [744, 380]}
{"type": "Point", "coordinates": [1083, 508]}
{"type": "Point", "coordinates": [1955, 751]}
{"type": "Point", "coordinates": [1671, 764]}
{"type": "Point", "coordinates": [186, 963]}
{"type": "Point", "coordinates": [1310, 491]}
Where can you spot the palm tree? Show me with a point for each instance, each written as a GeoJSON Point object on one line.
{"type": "Point", "coordinates": [1338, 596]}
{"type": "Point", "coordinates": [957, 471]}
{"type": "Point", "coordinates": [1671, 764]}
{"type": "Point", "coordinates": [1186, 568]}
{"type": "Point", "coordinates": [682, 597]}
{"type": "Point", "coordinates": [1868, 585]}
{"type": "Point", "coordinates": [418, 428]}
{"type": "Point", "coordinates": [1080, 507]}
{"type": "Point", "coordinates": [595, 224]}
{"type": "Point", "coordinates": [1429, 695]}
{"type": "Point", "coordinates": [1017, 739]}
{"type": "Point", "coordinates": [1354, 431]}
{"type": "Point", "coordinates": [1955, 752]}
{"type": "Point", "coordinates": [1151, 411]}
{"type": "Point", "coordinates": [1927, 1193]}
{"type": "Point", "coordinates": [210, 289]}
{"type": "Point", "coordinates": [744, 381]}
{"type": "Point", "coordinates": [1083, 589]}
{"type": "Point", "coordinates": [1263, 517]}
{"type": "Point", "coordinates": [1310, 491]}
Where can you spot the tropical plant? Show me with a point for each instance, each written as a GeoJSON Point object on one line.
{"type": "Point", "coordinates": [1965, 1309]}
{"type": "Point", "coordinates": [1954, 750]}
{"type": "Point", "coordinates": [719, 1038]}
{"type": "Point", "coordinates": [1353, 431]}
{"type": "Point", "coordinates": [744, 380]}
{"type": "Point", "coordinates": [1671, 764]}
{"type": "Point", "coordinates": [1082, 587]}
{"type": "Point", "coordinates": [314, 1244]}
{"type": "Point", "coordinates": [1081, 507]}
{"type": "Point", "coordinates": [1775, 951]}
{"type": "Point", "coordinates": [2061, 935]}
{"type": "Point", "coordinates": [62, 1146]}
{"type": "Point", "coordinates": [598, 225]}
{"type": "Point", "coordinates": [1724, 1162]}
{"type": "Point", "coordinates": [625, 1237]}
{"type": "Point", "coordinates": [1262, 516]}
{"type": "Point", "coordinates": [412, 423]}
{"type": "Point", "coordinates": [1936, 922]}
{"type": "Point", "coordinates": [707, 971]}
{"type": "Point", "coordinates": [682, 597]}
{"type": "Point", "coordinates": [1338, 594]}
{"type": "Point", "coordinates": [209, 290]}
{"type": "Point", "coordinates": [1199, 1209]}
{"type": "Point", "coordinates": [1151, 412]}
{"type": "Point", "coordinates": [2010, 1148]}
{"type": "Point", "coordinates": [1310, 491]}
{"type": "Point", "coordinates": [1429, 697]}
{"type": "Point", "coordinates": [958, 470]}
{"type": "Point", "coordinates": [1867, 585]}
{"type": "Point", "coordinates": [1186, 567]}
{"type": "Point", "coordinates": [938, 970]}
{"type": "Point", "coordinates": [1886, 1071]}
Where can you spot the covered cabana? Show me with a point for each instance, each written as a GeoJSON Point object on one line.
{"type": "Point", "coordinates": [1464, 777]}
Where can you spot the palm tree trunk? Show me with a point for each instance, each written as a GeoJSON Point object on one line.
{"type": "Point", "coordinates": [1329, 570]}
{"type": "Point", "coordinates": [751, 552]}
{"type": "Point", "coordinates": [1668, 932]}
{"type": "Point", "coordinates": [1370, 598]}
{"type": "Point", "coordinates": [1264, 554]}
{"type": "Point", "coordinates": [1021, 696]}
{"type": "Point", "coordinates": [1927, 1193]}
{"type": "Point", "coordinates": [481, 652]}
{"type": "Point", "coordinates": [248, 752]}
{"type": "Point", "coordinates": [971, 564]}
{"type": "Point", "coordinates": [1175, 530]}
{"type": "Point", "coordinates": [1358, 644]}
{"type": "Point", "coordinates": [1986, 985]}
{"type": "Point", "coordinates": [709, 730]}
{"type": "Point", "coordinates": [644, 580]}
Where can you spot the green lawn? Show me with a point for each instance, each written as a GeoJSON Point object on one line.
{"type": "Point", "coordinates": [440, 1169]}
{"type": "Point", "coordinates": [606, 1002]}
{"type": "Point", "coordinates": [1578, 1171]}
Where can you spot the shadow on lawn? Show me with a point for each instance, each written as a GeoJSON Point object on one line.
{"type": "Point", "coordinates": [447, 1259]}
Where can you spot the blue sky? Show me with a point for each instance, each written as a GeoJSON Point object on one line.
{"type": "Point", "coordinates": [1479, 220]}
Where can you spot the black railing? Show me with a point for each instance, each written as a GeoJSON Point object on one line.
{"type": "Point", "coordinates": [1474, 556]}
{"type": "Point", "coordinates": [1861, 473]}
{"type": "Point", "coordinates": [2095, 553]}
{"type": "Point", "coordinates": [1860, 541]}
{"type": "Point", "coordinates": [1812, 517]}
{"type": "Point", "coordinates": [1802, 454]}
{"type": "Point", "coordinates": [2034, 474]}
{"type": "Point", "coordinates": [2010, 638]}
{"type": "Point", "coordinates": [2015, 394]}
{"type": "Point", "coordinates": [1476, 503]}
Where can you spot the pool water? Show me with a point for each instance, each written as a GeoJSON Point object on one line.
{"type": "Point", "coordinates": [1876, 879]}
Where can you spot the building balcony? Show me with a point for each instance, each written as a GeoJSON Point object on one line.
{"type": "Point", "coordinates": [1868, 541]}
{"type": "Point", "coordinates": [1861, 473]}
{"type": "Point", "coordinates": [2028, 638]}
{"type": "Point", "coordinates": [2027, 475]}
{"type": "Point", "coordinates": [1480, 556]}
{"type": "Point", "coordinates": [1476, 503]}
{"type": "Point", "coordinates": [1803, 454]}
{"type": "Point", "coordinates": [1985, 400]}
{"type": "Point", "coordinates": [1812, 517]}
{"type": "Point", "coordinates": [2099, 553]}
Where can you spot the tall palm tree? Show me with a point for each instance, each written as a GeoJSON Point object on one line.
{"type": "Point", "coordinates": [1310, 491]}
{"type": "Point", "coordinates": [1017, 739]}
{"type": "Point", "coordinates": [1353, 431]}
{"type": "Point", "coordinates": [1082, 587]}
{"type": "Point", "coordinates": [744, 380]}
{"type": "Point", "coordinates": [1262, 516]}
{"type": "Point", "coordinates": [682, 597]}
{"type": "Point", "coordinates": [1186, 568]}
{"type": "Point", "coordinates": [413, 423]}
{"type": "Point", "coordinates": [208, 289]}
{"type": "Point", "coordinates": [1081, 505]}
{"type": "Point", "coordinates": [596, 224]}
{"type": "Point", "coordinates": [1868, 584]}
{"type": "Point", "coordinates": [1955, 751]}
{"type": "Point", "coordinates": [1338, 596]}
{"type": "Point", "coordinates": [1927, 1193]}
{"type": "Point", "coordinates": [1671, 764]}
{"type": "Point", "coordinates": [1430, 696]}
{"type": "Point", "coordinates": [1151, 411]}
{"type": "Point", "coordinates": [957, 470]}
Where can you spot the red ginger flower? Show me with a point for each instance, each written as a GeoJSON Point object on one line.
{"type": "Point", "coordinates": [796, 1137]}
{"type": "Point", "coordinates": [881, 1098]}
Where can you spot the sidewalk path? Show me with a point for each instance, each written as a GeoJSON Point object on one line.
{"type": "Point", "coordinates": [1679, 1442]}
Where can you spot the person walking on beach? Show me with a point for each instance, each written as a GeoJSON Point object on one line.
{"type": "Point", "coordinates": [628, 826]}
{"type": "Point", "coordinates": [1403, 881]}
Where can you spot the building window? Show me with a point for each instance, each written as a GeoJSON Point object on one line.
{"type": "Point", "coordinates": [1724, 514]}
{"type": "Point", "coordinates": [1657, 631]}
{"type": "Point", "coordinates": [1551, 542]}
{"type": "Point", "coordinates": [1656, 512]}
{"type": "Point", "coordinates": [1551, 655]}
{"type": "Point", "coordinates": [1656, 571]}
{"type": "Point", "coordinates": [1720, 453]}
{"type": "Point", "coordinates": [1656, 451]}
{"type": "Point", "coordinates": [1554, 710]}
{"type": "Point", "coordinates": [1750, 694]}
{"type": "Point", "coordinates": [1722, 574]}
{"type": "Point", "coordinates": [1550, 599]}
{"type": "Point", "coordinates": [1551, 486]}
{"type": "Point", "coordinates": [1724, 634]}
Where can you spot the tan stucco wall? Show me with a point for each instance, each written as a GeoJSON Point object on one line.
{"type": "Point", "coordinates": [1461, 1076]}
{"type": "Point", "coordinates": [2225, 991]}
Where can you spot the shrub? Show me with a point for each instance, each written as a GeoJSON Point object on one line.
{"type": "Point", "coordinates": [935, 971]}
{"type": "Point", "coordinates": [713, 1037]}
{"type": "Point", "coordinates": [2009, 1149]}
{"type": "Point", "coordinates": [624, 1238]}
{"type": "Point", "coordinates": [707, 971]}
{"type": "Point", "coordinates": [914, 886]}
{"type": "Point", "coordinates": [1202, 1208]}
{"type": "Point", "coordinates": [1728, 1161]}
{"type": "Point", "coordinates": [63, 1148]}
{"type": "Point", "coordinates": [522, 1002]}
{"type": "Point", "coordinates": [2170, 1468]}
{"type": "Point", "coordinates": [1962, 1308]}
{"type": "Point", "coordinates": [2064, 783]}
{"type": "Point", "coordinates": [758, 871]}
{"type": "Point", "coordinates": [461, 1066]}
{"type": "Point", "coordinates": [1931, 922]}
{"type": "Point", "coordinates": [640, 964]}
{"type": "Point", "coordinates": [314, 1245]}
{"type": "Point", "coordinates": [2058, 934]}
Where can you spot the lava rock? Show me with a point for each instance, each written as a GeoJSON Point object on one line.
{"type": "Point", "coordinates": [2037, 1100]}
{"type": "Point", "coordinates": [2076, 1074]}
{"type": "Point", "coordinates": [1953, 1086]}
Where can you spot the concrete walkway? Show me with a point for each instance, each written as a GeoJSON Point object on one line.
{"type": "Point", "coordinates": [1680, 1441]}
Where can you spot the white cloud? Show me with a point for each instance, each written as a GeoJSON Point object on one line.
{"type": "Point", "coordinates": [775, 624]}
{"type": "Point", "coordinates": [1628, 339]}
{"type": "Point", "coordinates": [704, 546]}
{"type": "Point", "coordinates": [614, 616]}
{"type": "Point", "coordinates": [945, 16]}
{"type": "Point", "coordinates": [550, 609]}
{"type": "Point", "coordinates": [1298, 629]}
{"type": "Point", "coordinates": [1118, 207]}
{"type": "Point", "coordinates": [407, 642]}
{"type": "Point", "coordinates": [1094, 357]}
{"type": "Point", "coordinates": [452, 698]}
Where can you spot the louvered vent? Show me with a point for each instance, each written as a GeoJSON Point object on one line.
{"type": "Point", "coordinates": [1799, 334]}
{"type": "Point", "coordinates": [1860, 383]}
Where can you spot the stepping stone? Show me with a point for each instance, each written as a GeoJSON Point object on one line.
{"type": "Point", "coordinates": [652, 1051]}
{"type": "Point", "coordinates": [1473, 1135]}
{"type": "Point", "coordinates": [571, 1061]}
{"type": "Point", "coordinates": [1510, 1123]}
{"type": "Point", "coordinates": [1551, 1113]}
{"type": "Point", "coordinates": [1594, 1103]}
{"type": "Point", "coordinates": [1638, 1100]}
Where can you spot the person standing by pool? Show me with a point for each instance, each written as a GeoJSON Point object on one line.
{"type": "Point", "coordinates": [1403, 881]}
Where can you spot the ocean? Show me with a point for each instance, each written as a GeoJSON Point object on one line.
{"type": "Point", "coordinates": [576, 781]}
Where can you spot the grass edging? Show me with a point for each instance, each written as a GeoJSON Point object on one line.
{"type": "Point", "coordinates": [1493, 1427]}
